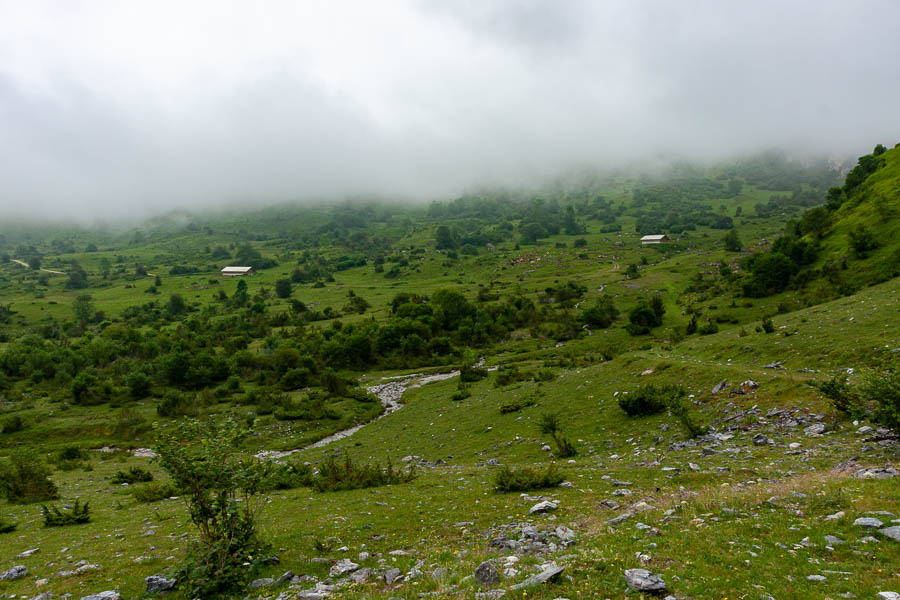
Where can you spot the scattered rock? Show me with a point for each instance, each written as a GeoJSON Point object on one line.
{"type": "Point", "coordinates": [542, 507]}
{"type": "Point", "coordinates": [760, 440]}
{"type": "Point", "coordinates": [16, 572]}
{"type": "Point", "coordinates": [838, 515]}
{"type": "Point", "coordinates": [642, 580]}
{"type": "Point", "coordinates": [490, 594]}
{"type": "Point", "coordinates": [361, 576]}
{"type": "Point", "coordinates": [486, 574]}
{"type": "Point", "coordinates": [832, 540]}
{"type": "Point", "coordinates": [867, 522]}
{"type": "Point", "coordinates": [262, 582]}
{"type": "Point", "coordinates": [888, 596]}
{"type": "Point", "coordinates": [391, 575]}
{"type": "Point", "coordinates": [815, 578]}
{"type": "Point", "coordinates": [816, 429]}
{"type": "Point", "coordinates": [158, 583]}
{"type": "Point", "coordinates": [550, 571]}
{"type": "Point", "coordinates": [107, 595]}
{"type": "Point", "coordinates": [891, 532]}
{"type": "Point", "coordinates": [876, 473]}
{"type": "Point", "coordinates": [345, 565]}
{"type": "Point", "coordinates": [287, 576]}
{"type": "Point", "coordinates": [864, 430]}
{"type": "Point", "coordinates": [28, 553]}
{"type": "Point", "coordinates": [720, 387]}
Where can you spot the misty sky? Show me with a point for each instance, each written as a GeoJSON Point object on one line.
{"type": "Point", "coordinates": [131, 108]}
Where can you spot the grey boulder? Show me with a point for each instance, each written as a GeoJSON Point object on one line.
{"type": "Point", "coordinates": [486, 574]}
{"type": "Point", "coordinates": [642, 580]}
{"type": "Point", "coordinates": [107, 595]}
{"type": "Point", "coordinates": [891, 532]}
{"type": "Point", "coordinates": [16, 572]}
{"type": "Point", "coordinates": [158, 583]}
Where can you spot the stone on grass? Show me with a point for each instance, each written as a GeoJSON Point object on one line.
{"type": "Point", "coordinates": [158, 583]}
{"type": "Point", "coordinates": [285, 577]}
{"type": "Point", "coordinates": [760, 439]}
{"type": "Point", "coordinates": [490, 595]}
{"type": "Point", "coordinates": [262, 582]}
{"type": "Point", "coordinates": [815, 578]}
{"type": "Point", "coordinates": [867, 522]}
{"type": "Point", "coordinates": [107, 595]}
{"type": "Point", "coordinates": [486, 574]}
{"type": "Point", "coordinates": [28, 553]}
{"type": "Point", "coordinates": [16, 572]}
{"type": "Point", "coordinates": [891, 532]}
{"type": "Point", "coordinates": [542, 507]}
{"type": "Point", "coordinates": [888, 596]}
{"type": "Point", "coordinates": [345, 565]}
{"type": "Point", "coordinates": [832, 540]}
{"type": "Point", "coordinates": [391, 575]}
{"type": "Point", "coordinates": [551, 571]}
{"type": "Point", "coordinates": [642, 580]}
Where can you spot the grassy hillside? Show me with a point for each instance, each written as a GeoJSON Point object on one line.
{"type": "Point", "coordinates": [724, 494]}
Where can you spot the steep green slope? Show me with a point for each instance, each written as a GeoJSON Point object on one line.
{"type": "Point", "coordinates": [873, 210]}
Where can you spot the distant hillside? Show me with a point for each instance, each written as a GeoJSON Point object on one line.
{"type": "Point", "coordinates": [850, 242]}
{"type": "Point", "coordinates": [864, 230]}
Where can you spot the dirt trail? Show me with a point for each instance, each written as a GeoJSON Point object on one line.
{"type": "Point", "coordinates": [25, 264]}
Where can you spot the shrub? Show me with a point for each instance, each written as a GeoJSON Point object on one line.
{"type": "Point", "coordinates": [517, 404]}
{"type": "Point", "coordinates": [25, 478]}
{"type": "Point", "coordinates": [681, 408]}
{"type": "Point", "coordinates": [549, 424]}
{"type": "Point", "coordinates": [650, 399]}
{"type": "Point", "coordinates": [507, 375]}
{"type": "Point", "coordinates": [53, 517]}
{"type": "Point", "coordinates": [6, 526]}
{"type": "Point", "coordinates": [334, 476]}
{"type": "Point", "coordinates": [708, 329]}
{"type": "Point", "coordinates": [139, 385]}
{"type": "Point", "coordinates": [876, 398]}
{"type": "Point", "coordinates": [13, 424]}
{"type": "Point", "coordinates": [222, 494]}
{"type": "Point", "coordinates": [154, 491]}
{"type": "Point", "coordinates": [526, 479]}
{"type": "Point", "coordinates": [287, 476]}
{"type": "Point", "coordinates": [176, 404]}
{"type": "Point", "coordinates": [71, 458]}
{"type": "Point", "coordinates": [132, 475]}
{"type": "Point", "coordinates": [767, 325]}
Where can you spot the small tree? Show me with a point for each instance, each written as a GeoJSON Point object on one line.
{"type": "Point", "coordinates": [25, 478]}
{"type": "Point", "coordinates": [732, 241]}
{"type": "Point", "coordinates": [222, 492]}
{"type": "Point", "coordinates": [83, 307]}
{"type": "Point", "coordinates": [283, 288]}
{"type": "Point", "coordinates": [549, 424]}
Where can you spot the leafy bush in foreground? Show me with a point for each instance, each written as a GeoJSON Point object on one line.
{"type": "Point", "coordinates": [222, 491]}
{"type": "Point", "coordinates": [53, 517]}
{"type": "Point", "coordinates": [526, 478]}
{"type": "Point", "coordinates": [334, 476]}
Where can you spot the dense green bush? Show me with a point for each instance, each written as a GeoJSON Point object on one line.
{"type": "Point", "coordinates": [346, 475]}
{"type": "Point", "coordinates": [287, 476]}
{"type": "Point", "coordinates": [526, 479]}
{"type": "Point", "coordinates": [6, 526]}
{"type": "Point", "coordinates": [154, 491]}
{"type": "Point", "coordinates": [650, 399]}
{"type": "Point", "coordinates": [132, 475]}
{"type": "Point", "coordinates": [24, 478]}
{"type": "Point", "coordinates": [12, 424]}
{"type": "Point", "coordinates": [79, 513]}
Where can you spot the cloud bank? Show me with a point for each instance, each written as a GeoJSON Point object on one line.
{"type": "Point", "coordinates": [111, 109]}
